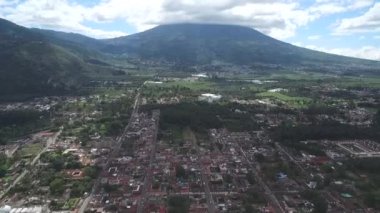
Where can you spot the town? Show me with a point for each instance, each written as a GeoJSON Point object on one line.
{"type": "Point", "coordinates": [180, 145]}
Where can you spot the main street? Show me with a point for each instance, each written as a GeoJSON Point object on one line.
{"type": "Point", "coordinates": [209, 198]}
{"type": "Point", "coordinates": [114, 150]}
{"type": "Point", "coordinates": [267, 190]}
{"type": "Point", "coordinates": [149, 174]}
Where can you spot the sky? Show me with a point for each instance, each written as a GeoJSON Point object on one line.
{"type": "Point", "coordinates": [345, 27]}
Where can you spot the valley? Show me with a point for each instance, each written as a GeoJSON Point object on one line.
{"type": "Point", "coordinates": [274, 143]}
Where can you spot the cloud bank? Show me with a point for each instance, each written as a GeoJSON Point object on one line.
{"type": "Point", "coordinates": [278, 18]}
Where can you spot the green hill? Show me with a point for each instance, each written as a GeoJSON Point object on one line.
{"type": "Point", "coordinates": [34, 63]}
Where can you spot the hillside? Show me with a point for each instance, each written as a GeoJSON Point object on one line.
{"type": "Point", "coordinates": [195, 44]}
{"type": "Point", "coordinates": [32, 64]}
{"type": "Point", "coordinates": [43, 62]}
{"type": "Point", "coordinates": [80, 44]}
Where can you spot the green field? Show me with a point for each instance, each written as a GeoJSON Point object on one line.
{"type": "Point", "coordinates": [71, 203]}
{"type": "Point", "coordinates": [193, 85]}
{"type": "Point", "coordinates": [297, 102]}
{"type": "Point", "coordinates": [31, 150]}
{"type": "Point", "coordinates": [348, 82]}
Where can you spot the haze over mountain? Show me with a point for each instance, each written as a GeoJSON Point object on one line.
{"type": "Point", "coordinates": [194, 44]}
{"type": "Point", "coordinates": [37, 61]}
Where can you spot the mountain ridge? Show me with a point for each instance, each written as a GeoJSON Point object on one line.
{"type": "Point", "coordinates": [204, 43]}
{"type": "Point", "coordinates": [40, 61]}
{"type": "Point", "coordinates": [31, 64]}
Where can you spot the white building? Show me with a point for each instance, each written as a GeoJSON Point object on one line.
{"type": "Point", "coordinates": [32, 209]}
{"type": "Point", "coordinates": [210, 97]}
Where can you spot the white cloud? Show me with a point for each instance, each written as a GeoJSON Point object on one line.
{"type": "Point", "coordinates": [366, 52]}
{"type": "Point", "coordinates": [368, 22]}
{"type": "Point", "coordinates": [278, 18]}
{"type": "Point", "coordinates": [53, 14]}
{"type": "Point", "coordinates": [327, 7]}
{"type": "Point", "coordinates": [314, 37]}
{"type": "Point", "coordinates": [142, 14]}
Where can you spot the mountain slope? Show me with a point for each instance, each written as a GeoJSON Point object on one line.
{"type": "Point", "coordinates": [35, 61]}
{"type": "Point", "coordinates": [31, 64]}
{"type": "Point", "coordinates": [77, 43]}
{"type": "Point", "coordinates": [194, 44]}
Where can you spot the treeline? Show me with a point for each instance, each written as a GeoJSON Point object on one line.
{"type": "Point", "coordinates": [371, 165]}
{"type": "Point", "coordinates": [18, 123]}
{"type": "Point", "coordinates": [315, 109]}
{"type": "Point", "coordinates": [328, 130]}
{"type": "Point", "coordinates": [201, 116]}
{"type": "Point", "coordinates": [19, 117]}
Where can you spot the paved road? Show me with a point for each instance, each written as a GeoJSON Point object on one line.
{"type": "Point", "coordinates": [85, 203]}
{"type": "Point", "coordinates": [149, 175]}
{"type": "Point", "coordinates": [209, 198]}
{"type": "Point", "coordinates": [279, 147]}
{"type": "Point", "coordinates": [114, 150]}
{"type": "Point", "coordinates": [50, 141]}
{"type": "Point", "coordinates": [262, 183]}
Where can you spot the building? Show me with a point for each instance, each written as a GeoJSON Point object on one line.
{"type": "Point", "coordinates": [209, 97]}
{"type": "Point", "coordinates": [31, 209]}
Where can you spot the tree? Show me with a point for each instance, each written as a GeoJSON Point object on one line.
{"type": "Point", "coordinates": [3, 165]}
{"type": "Point", "coordinates": [114, 128]}
{"type": "Point", "coordinates": [72, 162]}
{"type": "Point", "coordinates": [180, 172]}
{"type": "Point", "coordinates": [3, 171]}
{"type": "Point", "coordinates": [260, 157]}
{"type": "Point", "coordinates": [58, 163]}
{"type": "Point", "coordinates": [178, 204]}
{"type": "Point", "coordinates": [2, 140]}
{"type": "Point", "coordinates": [228, 178]}
{"type": "Point", "coordinates": [57, 186]}
{"type": "Point", "coordinates": [320, 204]}
{"type": "Point", "coordinates": [251, 178]}
{"type": "Point", "coordinates": [376, 118]}
{"type": "Point", "coordinates": [372, 199]}
{"type": "Point", "coordinates": [110, 188]}
{"type": "Point", "coordinates": [91, 172]}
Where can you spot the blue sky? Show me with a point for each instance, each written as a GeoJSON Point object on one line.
{"type": "Point", "coordinates": [346, 27]}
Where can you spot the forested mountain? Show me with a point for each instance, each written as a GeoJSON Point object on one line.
{"type": "Point", "coordinates": [36, 61]}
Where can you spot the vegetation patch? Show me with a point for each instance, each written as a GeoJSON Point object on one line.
{"type": "Point", "coordinates": [71, 203]}
{"type": "Point", "coordinates": [291, 101]}
{"type": "Point", "coordinates": [31, 150]}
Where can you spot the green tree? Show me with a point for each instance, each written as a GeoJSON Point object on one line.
{"type": "Point", "coordinates": [178, 204]}
{"type": "Point", "coordinates": [91, 172]}
{"type": "Point", "coordinates": [376, 118]}
{"type": "Point", "coordinates": [58, 163]}
{"type": "Point", "coordinates": [320, 204]}
{"type": "Point", "coordinates": [372, 199]}
{"type": "Point", "coordinates": [57, 186]}
{"type": "Point", "coordinates": [180, 172]}
{"type": "Point", "coordinates": [3, 165]}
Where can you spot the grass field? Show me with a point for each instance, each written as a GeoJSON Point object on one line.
{"type": "Point", "coordinates": [193, 85]}
{"type": "Point", "coordinates": [31, 150]}
{"type": "Point", "coordinates": [300, 76]}
{"type": "Point", "coordinates": [297, 102]}
{"type": "Point", "coordinates": [347, 82]}
{"type": "Point", "coordinates": [71, 203]}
